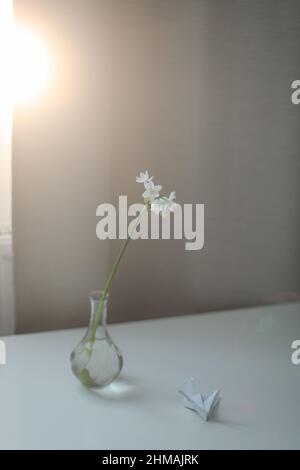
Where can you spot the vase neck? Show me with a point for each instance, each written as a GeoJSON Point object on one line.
{"type": "Point", "coordinates": [95, 298]}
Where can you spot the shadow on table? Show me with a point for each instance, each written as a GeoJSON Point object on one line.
{"type": "Point", "coordinates": [218, 418]}
{"type": "Point", "coordinates": [124, 388]}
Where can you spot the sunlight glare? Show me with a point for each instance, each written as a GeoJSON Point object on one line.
{"type": "Point", "coordinates": [30, 66]}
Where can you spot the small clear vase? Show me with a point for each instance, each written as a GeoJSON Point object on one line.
{"type": "Point", "coordinates": [96, 361]}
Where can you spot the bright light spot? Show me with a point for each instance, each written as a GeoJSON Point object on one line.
{"type": "Point", "coordinates": [31, 67]}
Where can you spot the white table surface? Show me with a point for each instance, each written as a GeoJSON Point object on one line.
{"type": "Point", "coordinates": [246, 353]}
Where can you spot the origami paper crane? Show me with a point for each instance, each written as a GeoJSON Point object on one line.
{"type": "Point", "coordinates": [204, 406]}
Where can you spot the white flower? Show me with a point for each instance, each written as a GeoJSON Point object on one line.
{"type": "Point", "coordinates": [172, 196]}
{"type": "Point", "coordinates": [164, 204]}
{"type": "Point", "coordinates": [159, 204]}
{"type": "Point", "coordinates": [143, 177]}
{"type": "Point", "coordinates": [152, 191]}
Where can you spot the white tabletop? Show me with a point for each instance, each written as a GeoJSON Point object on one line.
{"type": "Point", "coordinates": [246, 353]}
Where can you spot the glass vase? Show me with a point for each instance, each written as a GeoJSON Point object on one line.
{"type": "Point", "coordinates": [96, 361]}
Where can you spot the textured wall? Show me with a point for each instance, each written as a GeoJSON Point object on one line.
{"type": "Point", "coordinates": [198, 91]}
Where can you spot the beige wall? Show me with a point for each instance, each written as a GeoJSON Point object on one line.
{"type": "Point", "coordinates": [198, 91]}
{"type": "Point", "coordinates": [5, 176]}
{"type": "Point", "coordinates": [61, 167]}
{"type": "Point", "coordinates": [5, 120]}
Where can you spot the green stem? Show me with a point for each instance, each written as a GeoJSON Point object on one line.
{"type": "Point", "coordinates": [111, 278]}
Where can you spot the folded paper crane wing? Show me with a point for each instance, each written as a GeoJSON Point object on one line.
{"type": "Point", "coordinates": [204, 406]}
